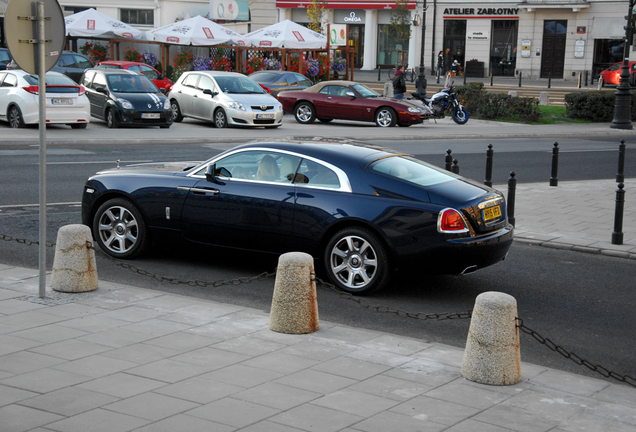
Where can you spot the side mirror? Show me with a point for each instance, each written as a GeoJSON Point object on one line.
{"type": "Point", "coordinates": [164, 91]}
{"type": "Point", "coordinates": [209, 92]}
{"type": "Point", "coordinates": [350, 94]}
{"type": "Point", "coordinates": [211, 173]}
{"type": "Point", "coordinates": [160, 77]}
{"type": "Point", "coordinates": [101, 90]}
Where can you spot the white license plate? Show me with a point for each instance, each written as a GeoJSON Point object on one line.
{"type": "Point", "coordinates": [61, 101]}
{"type": "Point", "coordinates": [264, 116]}
{"type": "Point", "coordinates": [150, 115]}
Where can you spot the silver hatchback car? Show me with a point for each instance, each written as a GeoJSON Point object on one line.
{"type": "Point", "coordinates": [225, 98]}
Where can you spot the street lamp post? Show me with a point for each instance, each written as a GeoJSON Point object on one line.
{"type": "Point", "coordinates": [421, 78]}
{"type": "Point", "coordinates": [623, 105]}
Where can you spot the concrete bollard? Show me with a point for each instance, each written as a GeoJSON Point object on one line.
{"type": "Point", "coordinates": [543, 98]}
{"type": "Point", "coordinates": [512, 93]}
{"type": "Point", "coordinates": [388, 89]}
{"type": "Point", "coordinates": [294, 306]}
{"type": "Point", "coordinates": [74, 268]}
{"type": "Point", "coordinates": [492, 350]}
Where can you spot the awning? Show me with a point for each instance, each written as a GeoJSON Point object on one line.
{"type": "Point", "coordinates": [575, 5]}
{"type": "Point", "coordinates": [342, 4]}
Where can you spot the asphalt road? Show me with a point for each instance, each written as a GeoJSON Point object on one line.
{"type": "Point", "coordinates": [579, 301]}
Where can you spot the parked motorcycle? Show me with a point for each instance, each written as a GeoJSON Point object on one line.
{"type": "Point", "coordinates": [443, 102]}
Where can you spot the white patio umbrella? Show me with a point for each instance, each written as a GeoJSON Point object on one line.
{"type": "Point", "coordinates": [195, 31]}
{"type": "Point", "coordinates": [285, 34]}
{"type": "Point", "coordinates": [91, 23]}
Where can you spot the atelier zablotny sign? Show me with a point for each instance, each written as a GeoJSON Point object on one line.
{"type": "Point", "coordinates": [481, 11]}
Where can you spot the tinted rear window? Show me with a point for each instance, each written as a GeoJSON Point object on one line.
{"type": "Point", "coordinates": [55, 80]}
{"type": "Point", "coordinates": [411, 170]}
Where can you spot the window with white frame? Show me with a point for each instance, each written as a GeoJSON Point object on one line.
{"type": "Point", "coordinates": [137, 16]}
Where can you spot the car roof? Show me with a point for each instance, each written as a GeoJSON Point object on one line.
{"type": "Point", "coordinates": [216, 73]}
{"type": "Point", "coordinates": [342, 152]}
{"type": "Point", "coordinates": [113, 71]}
{"type": "Point", "coordinates": [122, 63]}
{"type": "Point", "coordinates": [317, 87]}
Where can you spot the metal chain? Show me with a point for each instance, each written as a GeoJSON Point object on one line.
{"type": "Point", "coordinates": [575, 358]}
{"type": "Point", "coordinates": [385, 309]}
{"type": "Point", "coordinates": [348, 296]}
{"type": "Point", "coordinates": [24, 241]}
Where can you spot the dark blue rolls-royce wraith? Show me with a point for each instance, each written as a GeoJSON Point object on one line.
{"type": "Point", "coordinates": [363, 210]}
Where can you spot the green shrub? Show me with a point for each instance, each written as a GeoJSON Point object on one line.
{"type": "Point", "coordinates": [490, 106]}
{"type": "Point", "coordinates": [596, 106]}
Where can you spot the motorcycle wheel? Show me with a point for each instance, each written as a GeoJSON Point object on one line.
{"type": "Point", "coordinates": [460, 115]}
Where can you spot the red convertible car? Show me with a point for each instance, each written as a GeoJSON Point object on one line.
{"type": "Point", "coordinates": [613, 74]}
{"type": "Point", "coordinates": [348, 100]}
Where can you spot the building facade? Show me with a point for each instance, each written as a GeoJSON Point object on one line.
{"type": "Point", "coordinates": [538, 38]}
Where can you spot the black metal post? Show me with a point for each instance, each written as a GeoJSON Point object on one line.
{"type": "Point", "coordinates": [448, 160]}
{"type": "Point", "coordinates": [455, 167]}
{"type": "Point", "coordinates": [490, 78]}
{"type": "Point", "coordinates": [512, 193]}
{"type": "Point", "coordinates": [421, 78]}
{"type": "Point", "coordinates": [579, 80]}
{"type": "Point", "coordinates": [620, 176]}
{"type": "Point", "coordinates": [550, 79]}
{"type": "Point", "coordinates": [464, 77]}
{"type": "Point", "coordinates": [617, 235]}
{"type": "Point", "coordinates": [379, 73]}
{"type": "Point", "coordinates": [489, 154]}
{"type": "Point", "coordinates": [623, 104]}
{"type": "Point", "coordinates": [520, 74]}
{"type": "Point", "coordinates": [554, 181]}
{"type": "Point", "coordinates": [586, 78]}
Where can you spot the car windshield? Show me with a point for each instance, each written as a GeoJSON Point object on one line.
{"type": "Point", "coordinates": [125, 83]}
{"type": "Point", "coordinates": [51, 79]}
{"type": "Point", "coordinates": [234, 84]}
{"type": "Point", "coordinates": [365, 91]}
{"type": "Point", "coordinates": [411, 170]}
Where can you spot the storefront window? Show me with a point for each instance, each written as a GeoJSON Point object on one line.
{"type": "Point", "coordinates": [389, 52]}
{"type": "Point", "coordinates": [606, 53]}
{"type": "Point", "coordinates": [503, 49]}
{"type": "Point", "coordinates": [454, 41]}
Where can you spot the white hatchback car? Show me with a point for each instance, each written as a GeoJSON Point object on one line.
{"type": "Point", "coordinates": [225, 98]}
{"type": "Point", "coordinates": [66, 101]}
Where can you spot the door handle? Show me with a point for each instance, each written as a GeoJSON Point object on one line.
{"type": "Point", "coordinates": [200, 191]}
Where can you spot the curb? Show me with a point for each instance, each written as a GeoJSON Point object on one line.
{"type": "Point", "coordinates": [576, 248]}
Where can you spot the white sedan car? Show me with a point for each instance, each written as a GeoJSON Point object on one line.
{"type": "Point", "coordinates": [225, 99]}
{"type": "Point", "coordinates": [66, 101]}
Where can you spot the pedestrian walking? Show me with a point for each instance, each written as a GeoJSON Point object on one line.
{"type": "Point", "coordinates": [399, 83]}
{"type": "Point", "coordinates": [440, 63]}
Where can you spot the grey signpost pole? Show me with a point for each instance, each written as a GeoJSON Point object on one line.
{"type": "Point", "coordinates": [38, 25]}
{"type": "Point", "coordinates": [41, 69]}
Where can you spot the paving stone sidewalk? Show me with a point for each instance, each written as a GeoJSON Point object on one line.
{"type": "Point", "coordinates": [131, 359]}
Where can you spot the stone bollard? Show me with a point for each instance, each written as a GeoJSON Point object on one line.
{"type": "Point", "coordinates": [492, 350]}
{"type": "Point", "coordinates": [543, 98]}
{"type": "Point", "coordinates": [74, 268]}
{"type": "Point", "coordinates": [388, 89]}
{"type": "Point", "coordinates": [512, 93]}
{"type": "Point", "coordinates": [294, 306]}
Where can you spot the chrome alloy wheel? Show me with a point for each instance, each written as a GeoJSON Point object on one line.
{"type": "Point", "coordinates": [118, 229]}
{"type": "Point", "coordinates": [304, 113]}
{"type": "Point", "coordinates": [386, 117]}
{"type": "Point", "coordinates": [353, 262]}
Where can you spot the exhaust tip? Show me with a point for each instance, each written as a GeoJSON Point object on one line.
{"type": "Point", "coordinates": [468, 270]}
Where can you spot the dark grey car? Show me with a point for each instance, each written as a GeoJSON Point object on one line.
{"type": "Point", "coordinates": [72, 65]}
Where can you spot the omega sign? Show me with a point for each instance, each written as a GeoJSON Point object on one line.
{"type": "Point", "coordinates": [352, 18]}
{"type": "Point", "coordinates": [481, 11]}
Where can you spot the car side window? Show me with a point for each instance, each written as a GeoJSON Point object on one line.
{"type": "Point", "coordinates": [82, 62]}
{"type": "Point", "coordinates": [314, 174]}
{"type": "Point", "coordinates": [99, 81]}
{"type": "Point", "coordinates": [66, 60]}
{"type": "Point", "coordinates": [325, 90]}
{"type": "Point", "coordinates": [291, 79]}
{"type": "Point", "coordinates": [258, 165]}
{"type": "Point", "coordinates": [149, 72]}
{"type": "Point", "coordinates": [206, 83]}
{"type": "Point", "coordinates": [88, 77]}
{"type": "Point", "coordinates": [302, 81]}
{"type": "Point", "coordinates": [135, 68]}
{"type": "Point", "coordinates": [10, 81]}
{"type": "Point", "coordinates": [191, 80]}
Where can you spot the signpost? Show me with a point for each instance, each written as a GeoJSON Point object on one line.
{"type": "Point", "coordinates": [35, 34]}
